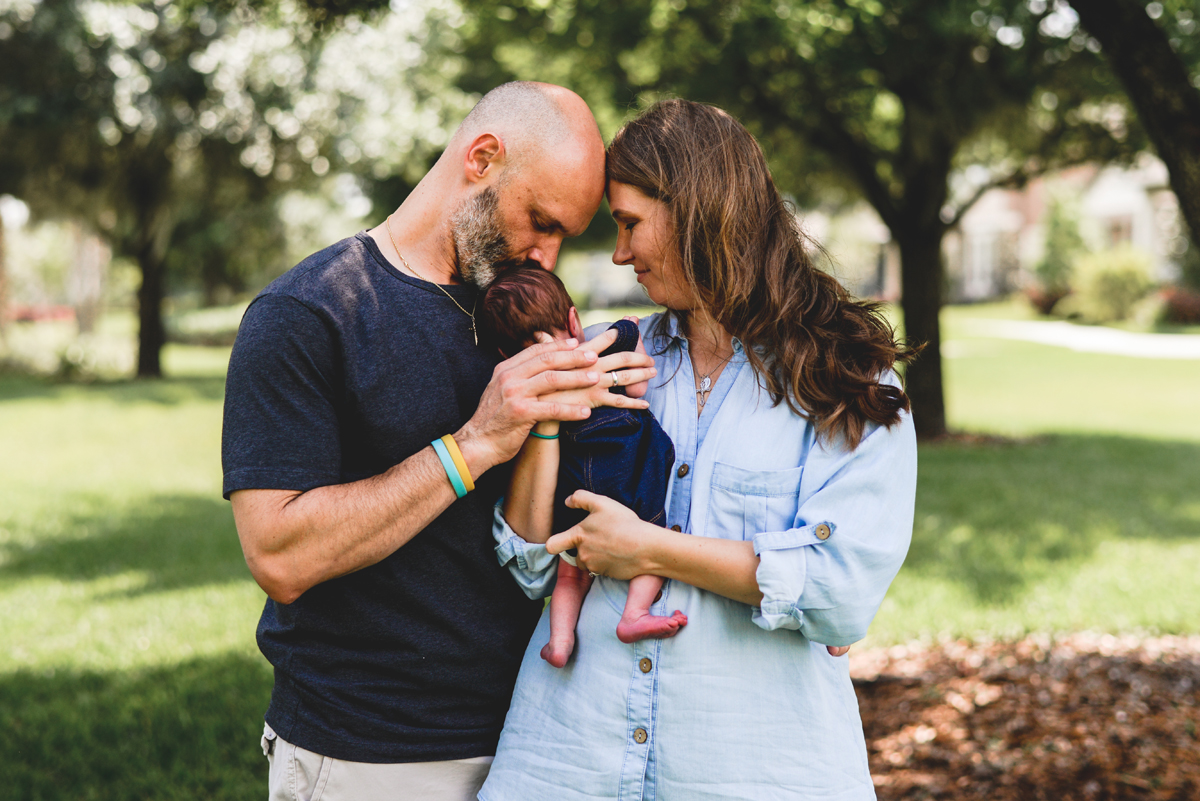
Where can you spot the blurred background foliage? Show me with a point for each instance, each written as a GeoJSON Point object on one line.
{"type": "Point", "coordinates": [185, 134]}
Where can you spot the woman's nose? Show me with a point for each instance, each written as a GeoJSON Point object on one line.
{"type": "Point", "coordinates": [622, 254]}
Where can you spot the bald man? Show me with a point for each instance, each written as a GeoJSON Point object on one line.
{"type": "Point", "coordinates": [394, 632]}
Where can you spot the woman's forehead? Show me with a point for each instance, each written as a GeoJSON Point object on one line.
{"type": "Point", "coordinates": [628, 199]}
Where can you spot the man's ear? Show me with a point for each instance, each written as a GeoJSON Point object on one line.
{"type": "Point", "coordinates": [574, 327]}
{"type": "Point", "coordinates": [485, 154]}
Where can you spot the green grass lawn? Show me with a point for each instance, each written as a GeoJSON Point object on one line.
{"type": "Point", "coordinates": [1087, 517]}
{"type": "Point", "coordinates": [128, 668]}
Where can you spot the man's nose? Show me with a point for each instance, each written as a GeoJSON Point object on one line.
{"type": "Point", "coordinates": [546, 254]}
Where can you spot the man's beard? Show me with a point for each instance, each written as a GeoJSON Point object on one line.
{"type": "Point", "coordinates": [480, 246]}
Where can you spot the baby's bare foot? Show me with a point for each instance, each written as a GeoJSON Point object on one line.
{"type": "Point", "coordinates": [648, 626]}
{"type": "Point", "coordinates": [558, 650]}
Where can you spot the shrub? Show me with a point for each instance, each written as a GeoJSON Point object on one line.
{"type": "Point", "coordinates": [1063, 245]}
{"type": "Point", "coordinates": [1181, 306]}
{"type": "Point", "coordinates": [1108, 284]}
{"type": "Point", "coordinates": [1189, 266]}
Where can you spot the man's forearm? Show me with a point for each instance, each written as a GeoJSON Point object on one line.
{"type": "Point", "coordinates": [296, 540]}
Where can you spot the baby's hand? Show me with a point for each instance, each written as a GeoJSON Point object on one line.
{"type": "Point", "coordinates": [637, 390]}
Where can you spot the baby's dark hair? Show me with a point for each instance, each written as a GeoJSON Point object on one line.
{"type": "Point", "coordinates": [522, 301]}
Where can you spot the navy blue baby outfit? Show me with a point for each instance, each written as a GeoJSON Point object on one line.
{"type": "Point", "coordinates": [621, 453]}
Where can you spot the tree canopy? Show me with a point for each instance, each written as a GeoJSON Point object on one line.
{"type": "Point", "coordinates": [1153, 49]}
{"type": "Point", "coordinates": [175, 129]}
{"type": "Point", "coordinates": [898, 98]}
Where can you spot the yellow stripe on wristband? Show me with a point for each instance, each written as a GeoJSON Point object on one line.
{"type": "Point", "coordinates": [459, 462]}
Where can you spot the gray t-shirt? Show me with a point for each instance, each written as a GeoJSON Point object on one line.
{"type": "Point", "coordinates": [342, 368]}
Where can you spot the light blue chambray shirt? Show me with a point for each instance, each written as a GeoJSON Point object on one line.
{"type": "Point", "coordinates": [744, 703]}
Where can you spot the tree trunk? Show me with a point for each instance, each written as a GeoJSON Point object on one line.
{"type": "Point", "coordinates": [1156, 81]}
{"type": "Point", "coordinates": [3, 284]}
{"type": "Point", "coordinates": [151, 332]}
{"type": "Point", "coordinates": [921, 300]}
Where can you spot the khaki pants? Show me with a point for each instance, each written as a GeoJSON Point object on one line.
{"type": "Point", "coordinates": [300, 775]}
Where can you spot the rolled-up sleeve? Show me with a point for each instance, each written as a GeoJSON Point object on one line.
{"type": "Point", "coordinates": [533, 567]}
{"type": "Point", "coordinates": [827, 576]}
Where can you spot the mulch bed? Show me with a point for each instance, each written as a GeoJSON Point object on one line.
{"type": "Point", "coordinates": [1085, 716]}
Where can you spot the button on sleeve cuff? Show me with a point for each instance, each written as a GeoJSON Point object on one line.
{"type": "Point", "coordinates": [793, 537]}
{"type": "Point", "coordinates": [782, 570]}
{"type": "Point", "coordinates": [533, 567]}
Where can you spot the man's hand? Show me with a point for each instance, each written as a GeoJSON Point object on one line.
{"type": "Point", "coordinates": [618, 370]}
{"type": "Point", "coordinates": [524, 391]}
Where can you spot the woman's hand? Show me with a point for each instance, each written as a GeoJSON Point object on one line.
{"type": "Point", "coordinates": [611, 540]}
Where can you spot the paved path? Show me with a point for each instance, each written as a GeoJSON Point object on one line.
{"type": "Point", "coordinates": [1091, 339]}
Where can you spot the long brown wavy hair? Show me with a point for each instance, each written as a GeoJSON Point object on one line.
{"type": "Point", "coordinates": [746, 259]}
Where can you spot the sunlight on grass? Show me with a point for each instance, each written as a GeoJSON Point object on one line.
{"type": "Point", "coordinates": [128, 665]}
{"type": "Point", "coordinates": [1019, 388]}
{"type": "Point", "coordinates": [119, 622]}
{"type": "Point", "coordinates": [191, 361]}
{"type": "Point", "coordinates": [1123, 587]}
{"type": "Point", "coordinates": [116, 549]}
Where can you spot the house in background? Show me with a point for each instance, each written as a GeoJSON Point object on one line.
{"type": "Point", "coordinates": [994, 249]}
{"type": "Point", "coordinates": [999, 241]}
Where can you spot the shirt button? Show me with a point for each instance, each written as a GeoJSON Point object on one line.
{"type": "Point", "coordinates": [676, 527]}
{"type": "Point", "coordinates": [645, 665]}
{"type": "Point", "coordinates": [822, 532]}
{"type": "Point", "coordinates": [639, 735]}
{"type": "Point", "coordinates": [682, 471]}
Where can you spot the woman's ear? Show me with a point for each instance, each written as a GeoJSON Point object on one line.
{"type": "Point", "coordinates": [574, 327]}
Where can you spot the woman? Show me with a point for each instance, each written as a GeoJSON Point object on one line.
{"type": "Point", "coordinates": [789, 513]}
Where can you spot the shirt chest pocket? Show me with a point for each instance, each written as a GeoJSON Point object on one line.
{"type": "Point", "coordinates": [747, 502]}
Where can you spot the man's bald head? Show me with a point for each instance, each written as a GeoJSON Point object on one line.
{"type": "Point", "coordinates": [523, 172]}
{"type": "Point", "coordinates": [533, 120]}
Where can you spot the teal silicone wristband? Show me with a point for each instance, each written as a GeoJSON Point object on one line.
{"type": "Point", "coordinates": [542, 436]}
{"type": "Point", "coordinates": [439, 447]}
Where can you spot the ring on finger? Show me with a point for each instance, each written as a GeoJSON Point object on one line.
{"type": "Point", "coordinates": [616, 377]}
{"type": "Point", "coordinates": [593, 575]}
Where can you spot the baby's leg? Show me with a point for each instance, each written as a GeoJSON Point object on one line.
{"type": "Point", "coordinates": [565, 604]}
{"type": "Point", "coordinates": [637, 623]}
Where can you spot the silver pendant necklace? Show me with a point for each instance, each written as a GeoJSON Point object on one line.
{"type": "Point", "coordinates": [705, 385]}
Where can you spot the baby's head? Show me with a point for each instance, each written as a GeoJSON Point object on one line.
{"type": "Point", "coordinates": [522, 301]}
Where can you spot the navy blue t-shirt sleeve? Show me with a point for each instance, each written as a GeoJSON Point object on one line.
{"type": "Point", "coordinates": [281, 423]}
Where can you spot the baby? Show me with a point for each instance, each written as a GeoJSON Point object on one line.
{"type": "Point", "coordinates": [621, 453]}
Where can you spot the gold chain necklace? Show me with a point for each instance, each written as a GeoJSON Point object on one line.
{"type": "Point", "coordinates": [474, 331]}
